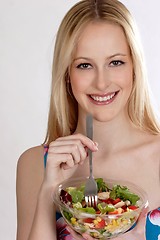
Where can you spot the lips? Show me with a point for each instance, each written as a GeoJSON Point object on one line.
{"type": "Point", "coordinates": [104, 98]}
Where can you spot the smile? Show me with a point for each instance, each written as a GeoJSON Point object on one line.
{"type": "Point", "coordinates": [102, 98]}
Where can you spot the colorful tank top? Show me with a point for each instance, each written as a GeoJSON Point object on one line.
{"type": "Point", "coordinates": [152, 220]}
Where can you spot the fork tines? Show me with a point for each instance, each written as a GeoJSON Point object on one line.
{"type": "Point", "coordinates": [91, 201]}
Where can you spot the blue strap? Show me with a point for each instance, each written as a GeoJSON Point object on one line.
{"type": "Point", "coordinates": [45, 155]}
{"type": "Point", "coordinates": [45, 159]}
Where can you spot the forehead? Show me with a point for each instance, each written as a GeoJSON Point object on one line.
{"type": "Point", "coordinates": [102, 36]}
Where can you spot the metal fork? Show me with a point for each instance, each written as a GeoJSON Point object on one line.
{"type": "Point", "coordinates": [91, 185]}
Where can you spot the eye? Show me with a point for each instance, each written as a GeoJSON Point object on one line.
{"type": "Point", "coordinates": [116, 63]}
{"type": "Point", "coordinates": [84, 66]}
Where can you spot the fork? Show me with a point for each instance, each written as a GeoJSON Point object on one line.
{"type": "Point", "coordinates": [90, 191]}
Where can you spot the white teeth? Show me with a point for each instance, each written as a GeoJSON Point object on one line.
{"type": "Point", "coordinates": [103, 99]}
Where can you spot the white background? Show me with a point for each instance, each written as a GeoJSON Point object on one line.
{"type": "Point", "coordinates": [27, 33]}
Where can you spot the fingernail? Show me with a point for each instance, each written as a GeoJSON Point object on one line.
{"type": "Point", "coordinates": [95, 144]}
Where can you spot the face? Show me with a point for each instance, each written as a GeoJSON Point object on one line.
{"type": "Point", "coordinates": [101, 73]}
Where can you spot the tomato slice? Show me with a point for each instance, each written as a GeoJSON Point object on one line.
{"type": "Point", "coordinates": [124, 208]}
{"type": "Point", "coordinates": [117, 200]}
{"type": "Point", "coordinates": [108, 200]}
{"type": "Point", "coordinates": [114, 212]}
{"type": "Point", "coordinates": [111, 201]}
{"type": "Point", "coordinates": [132, 207]}
{"type": "Point", "coordinates": [100, 224]}
{"type": "Point", "coordinates": [88, 220]}
{"type": "Point", "coordinates": [98, 212]}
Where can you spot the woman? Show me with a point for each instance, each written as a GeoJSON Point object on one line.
{"type": "Point", "coordinates": [98, 68]}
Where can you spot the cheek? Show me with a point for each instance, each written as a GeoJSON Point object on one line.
{"type": "Point", "coordinates": [126, 80]}
{"type": "Point", "coordinates": [77, 86]}
{"type": "Point", "coordinates": [79, 83]}
{"type": "Point", "coordinates": [129, 80]}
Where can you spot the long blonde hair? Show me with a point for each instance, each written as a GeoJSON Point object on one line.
{"type": "Point", "coordinates": [63, 113]}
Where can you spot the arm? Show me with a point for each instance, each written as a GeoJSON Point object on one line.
{"type": "Point", "coordinates": [44, 222]}
{"type": "Point", "coordinates": [35, 210]}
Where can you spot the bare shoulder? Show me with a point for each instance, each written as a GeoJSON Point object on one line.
{"type": "Point", "coordinates": [30, 163]}
{"type": "Point", "coordinates": [151, 170]}
{"type": "Point", "coordinates": [30, 171]}
{"type": "Point", "coordinates": [31, 157]}
{"type": "Point", "coordinates": [147, 140]}
{"type": "Point", "coordinates": [151, 147]}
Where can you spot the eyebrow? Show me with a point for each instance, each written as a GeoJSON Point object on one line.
{"type": "Point", "coordinates": [112, 56]}
{"type": "Point", "coordinates": [118, 54]}
{"type": "Point", "coordinates": [85, 58]}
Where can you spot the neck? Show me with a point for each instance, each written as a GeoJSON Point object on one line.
{"type": "Point", "coordinates": [110, 135]}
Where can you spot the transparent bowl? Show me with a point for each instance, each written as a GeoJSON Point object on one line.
{"type": "Point", "coordinates": [100, 225]}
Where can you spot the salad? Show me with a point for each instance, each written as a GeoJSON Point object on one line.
{"type": "Point", "coordinates": [116, 211]}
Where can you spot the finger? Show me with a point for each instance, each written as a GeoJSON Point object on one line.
{"type": "Point", "coordinates": [69, 145]}
{"type": "Point", "coordinates": [55, 160]}
{"type": "Point", "coordinates": [78, 151]}
{"type": "Point", "coordinates": [68, 164]}
{"type": "Point", "coordinates": [87, 237]}
{"type": "Point", "coordinates": [74, 234]}
{"type": "Point", "coordinates": [85, 140]}
{"type": "Point", "coordinates": [142, 218]}
{"type": "Point", "coordinates": [70, 151]}
{"type": "Point", "coordinates": [139, 229]}
{"type": "Point", "coordinates": [76, 148]}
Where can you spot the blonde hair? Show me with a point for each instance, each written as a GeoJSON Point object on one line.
{"type": "Point", "coordinates": [63, 113]}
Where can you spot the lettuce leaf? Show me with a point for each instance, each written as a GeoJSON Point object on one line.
{"type": "Point", "coordinates": [77, 195]}
{"type": "Point", "coordinates": [101, 185]}
{"type": "Point", "coordinates": [123, 193]}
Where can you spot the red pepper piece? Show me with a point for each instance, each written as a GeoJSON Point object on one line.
{"type": "Point", "coordinates": [117, 200]}
{"type": "Point", "coordinates": [108, 200]}
{"type": "Point", "coordinates": [114, 212]}
{"type": "Point", "coordinates": [88, 220]}
{"type": "Point", "coordinates": [98, 212]}
{"type": "Point", "coordinates": [100, 224]}
{"type": "Point", "coordinates": [132, 207]}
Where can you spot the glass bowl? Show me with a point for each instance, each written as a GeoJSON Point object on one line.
{"type": "Point", "coordinates": [118, 208]}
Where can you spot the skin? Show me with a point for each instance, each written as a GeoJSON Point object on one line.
{"type": "Point", "coordinates": [102, 67]}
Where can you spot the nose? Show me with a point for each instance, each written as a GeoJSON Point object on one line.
{"type": "Point", "coordinates": [102, 79]}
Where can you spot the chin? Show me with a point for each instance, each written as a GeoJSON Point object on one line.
{"type": "Point", "coordinates": [103, 118]}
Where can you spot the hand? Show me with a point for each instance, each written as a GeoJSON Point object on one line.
{"type": "Point", "coordinates": [138, 232]}
{"type": "Point", "coordinates": [64, 153]}
{"type": "Point", "coordinates": [77, 236]}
